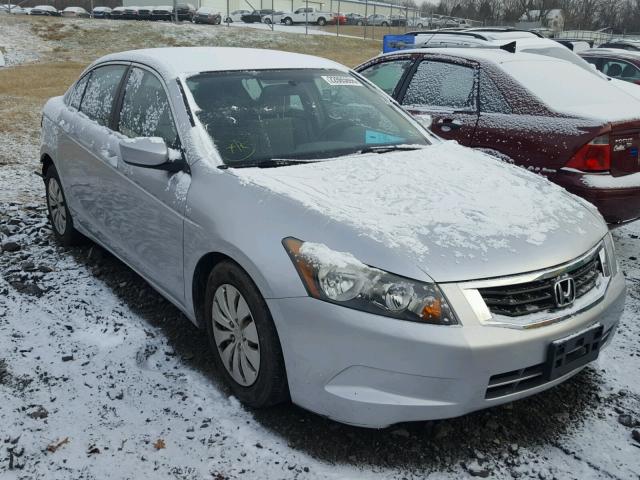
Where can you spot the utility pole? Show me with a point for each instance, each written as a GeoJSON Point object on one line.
{"type": "Point", "coordinates": [175, 11]}
{"type": "Point", "coordinates": [306, 18]}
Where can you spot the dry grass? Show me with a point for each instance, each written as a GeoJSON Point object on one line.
{"type": "Point", "coordinates": [24, 89]}
{"type": "Point", "coordinates": [38, 80]}
{"type": "Point", "coordinates": [369, 32]}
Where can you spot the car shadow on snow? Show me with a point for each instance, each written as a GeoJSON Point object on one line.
{"type": "Point", "coordinates": [495, 433]}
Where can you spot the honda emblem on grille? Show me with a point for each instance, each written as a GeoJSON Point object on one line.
{"type": "Point", "coordinates": [565, 291]}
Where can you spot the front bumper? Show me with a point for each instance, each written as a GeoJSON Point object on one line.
{"type": "Point", "coordinates": [373, 371]}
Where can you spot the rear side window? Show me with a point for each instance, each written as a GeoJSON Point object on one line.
{"type": "Point", "coordinates": [386, 75]}
{"type": "Point", "coordinates": [78, 90]}
{"type": "Point", "coordinates": [441, 84]}
{"type": "Point", "coordinates": [491, 99]}
{"type": "Point", "coordinates": [145, 109]}
{"type": "Point", "coordinates": [100, 93]}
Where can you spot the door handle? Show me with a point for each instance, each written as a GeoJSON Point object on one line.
{"type": "Point", "coordinates": [449, 124]}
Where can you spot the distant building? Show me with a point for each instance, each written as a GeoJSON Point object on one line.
{"type": "Point", "coordinates": [553, 20]}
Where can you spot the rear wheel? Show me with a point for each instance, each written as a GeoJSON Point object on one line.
{"type": "Point", "coordinates": [360, 23]}
{"type": "Point", "coordinates": [59, 214]}
{"type": "Point", "coordinates": [228, 20]}
{"type": "Point", "coordinates": [385, 24]}
{"type": "Point", "coordinates": [322, 22]}
{"type": "Point", "coordinates": [243, 337]}
{"type": "Point", "coordinates": [267, 20]}
{"type": "Point", "coordinates": [288, 21]}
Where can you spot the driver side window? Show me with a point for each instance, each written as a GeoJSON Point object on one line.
{"type": "Point", "coordinates": [145, 109]}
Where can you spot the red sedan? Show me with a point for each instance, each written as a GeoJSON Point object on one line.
{"type": "Point", "coordinates": [547, 115]}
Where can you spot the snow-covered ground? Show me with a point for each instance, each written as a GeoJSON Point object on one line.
{"type": "Point", "coordinates": [102, 378]}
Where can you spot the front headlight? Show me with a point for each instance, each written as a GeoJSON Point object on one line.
{"type": "Point", "coordinates": [340, 278]}
{"type": "Point", "coordinates": [608, 258]}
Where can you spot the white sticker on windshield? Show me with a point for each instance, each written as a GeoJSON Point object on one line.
{"type": "Point", "coordinates": [339, 80]}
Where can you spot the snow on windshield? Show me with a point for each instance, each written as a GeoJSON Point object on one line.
{"type": "Point", "coordinates": [578, 92]}
{"type": "Point", "coordinates": [445, 195]}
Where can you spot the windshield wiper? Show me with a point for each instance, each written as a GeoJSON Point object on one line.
{"type": "Point", "coordinates": [389, 148]}
{"type": "Point", "coordinates": [271, 163]}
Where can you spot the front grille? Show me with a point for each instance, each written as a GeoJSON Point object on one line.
{"type": "Point", "coordinates": [531, 297]}
{"type": "Point", "coordinates": [522, 379]}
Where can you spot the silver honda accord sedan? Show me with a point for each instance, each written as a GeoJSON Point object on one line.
{"type": "Point", "coordinates": [335, 252]}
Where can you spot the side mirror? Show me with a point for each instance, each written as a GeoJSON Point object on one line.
{"type": "Point", "coordinates": [150, 152]}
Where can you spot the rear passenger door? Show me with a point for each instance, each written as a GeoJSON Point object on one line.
{"type": "Point", "coordinates": [91, 159]}
{"type": "Point", "coordinates": [149, 226]}
{"type": "Point", "coordinates": [446, 91]}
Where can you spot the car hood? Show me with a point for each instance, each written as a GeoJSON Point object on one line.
{"type": "Point", "coordinates": [455, 213]}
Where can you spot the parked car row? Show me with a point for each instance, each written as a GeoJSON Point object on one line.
{"type": "Point", "coordinates": [184, 12]}
{"type": "Point", "coordinates": [285, 203]}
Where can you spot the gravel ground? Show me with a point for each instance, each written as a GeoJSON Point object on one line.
{"type": "Point", "coordinates": [102, 377]}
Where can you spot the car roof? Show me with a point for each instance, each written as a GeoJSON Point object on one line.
{"type": "Point", "coordinates": [613, 52]}
{"type": "Point", "coordinates": [491, 55]}
{"type": "Point", "coordinates": [173, 62]}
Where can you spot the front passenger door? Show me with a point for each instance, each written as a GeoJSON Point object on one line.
{"type": "Point", "coordinates": [448, 92]}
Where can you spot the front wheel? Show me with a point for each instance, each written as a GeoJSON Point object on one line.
{"type": "Point", "coordinates": [228, 20]}
{"type": "Point", "coordinates": [243, 337]}
{"type": "Point", "coordinates": [288, 21]}
{"type": "Point", "coordinates": [322, 22]}
{"type": "Point", "coordinates": [59, 214]}
{"type": "Point", "coordinates": [385, 24]}
{"type": "Point", "coordinates": [267, 20]}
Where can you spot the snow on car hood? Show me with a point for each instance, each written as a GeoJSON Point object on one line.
{"type": "Point", "coordinates": [443, 205]}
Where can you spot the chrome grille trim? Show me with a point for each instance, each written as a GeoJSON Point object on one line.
{"type": "Point", "coordinates": [472, 292]}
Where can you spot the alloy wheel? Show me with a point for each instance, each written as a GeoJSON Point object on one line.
{"type": "Point", "coordinates": [236, 335]}
{"type": "Point", "coordinates": [57, 207]}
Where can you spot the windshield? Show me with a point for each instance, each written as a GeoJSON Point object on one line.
{"type": "Point", "coordinates": [257, 116]}
{"type": "Point", "coordinates": [561, 53]}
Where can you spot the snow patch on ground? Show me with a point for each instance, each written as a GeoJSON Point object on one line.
{"type": "Point", "coordinates": [20, 44]}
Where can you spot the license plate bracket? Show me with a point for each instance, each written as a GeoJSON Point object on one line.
{"type": "Point", "coordinates": [566, 354]}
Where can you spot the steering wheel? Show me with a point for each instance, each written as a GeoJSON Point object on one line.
{"type": "Point", "coordinates": [336, 125]}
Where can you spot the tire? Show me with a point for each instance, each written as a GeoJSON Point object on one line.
{"type": "Point", "coordinates": [254, 347]}
{"type": "Point", "coordinates": [59, 214]}
{"type": "Point", "coordinates": [267, 20]}
{"type": "Point", "coordinates": [360, 23]}
{"type": "Point", "coordinates": [288, 21]}
{"type": "Point", "coordinates": [420, 25]}
{"type": "Point", "coordinates": [385, 24]}
{"type": "Point", "coordinates": [322, 22]}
